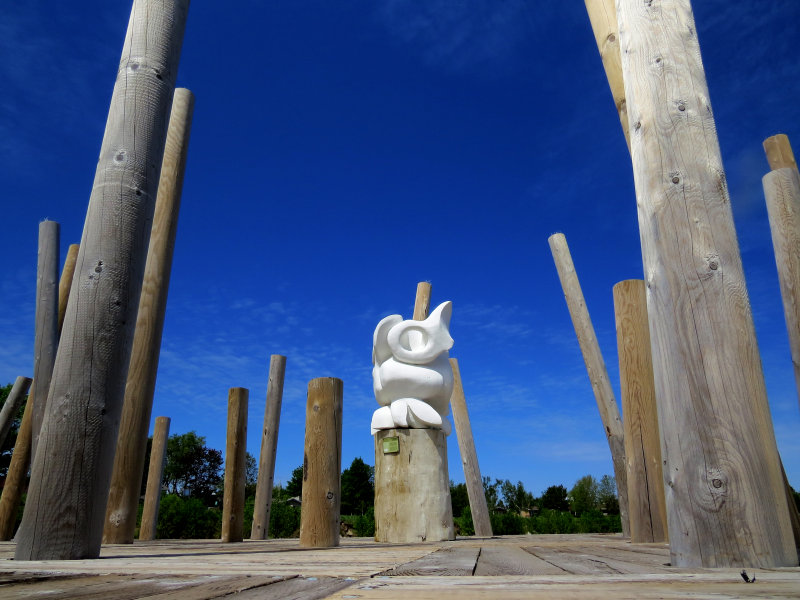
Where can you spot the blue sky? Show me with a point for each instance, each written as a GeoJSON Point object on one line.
{"type": "Point", "coordinates": [342, 152]}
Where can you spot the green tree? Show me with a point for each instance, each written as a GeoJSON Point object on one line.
{"type": "Point", "coordinates": [607, 495]}
{"type": "Point", "coordinates": [555, 498]}
{"type": "Point", "coordinates": [250, 475]}
{"type": "Point", "coordinates": [583, 495]}
{"type": "Point", "coordinates": [490, 490]}
{"type": "Point", "coordinates": [294, 487]}
{"type": "Point", "coordinates": [8, 445]}
{"type": "Point", "coordinates": [358, 488]}
{"type": "Point", "coordinates": [187, 518]}
{"type": "Point", "coordinates": [516, 497]}
{"type": "Point", "coordinates": [459, 498]}
{"type": "Point", "coordinates": [192, 469]}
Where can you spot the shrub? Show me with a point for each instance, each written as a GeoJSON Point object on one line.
{"type": "Point", "coordinates": [187, 518]}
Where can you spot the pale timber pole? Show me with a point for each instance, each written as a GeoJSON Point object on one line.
{"type": "Point", "coordinates": [155, 473]}
{"type": "Point", "coordinates": [603, 17]}
{"type": "Point", "coordinates": [46, 342]}
{"type": "Point", "coordinates": [595, 366]}
{"type": "Point", "coordinates": [469, 458]}
{"type": "Point", "coordinates": [71, 472]}
{"type": "Point", "coordinates": [235, 466]}
{"type": "Point", "coordinates": [126, 479]}
{"type": "Point", "coordinates": [322, 464]}
{"type": "Point", "coordinates": [269, 446]}
{"type": "Point", "coordinates": [422, 302]}
{"type": "Point", "coordinates": [64, 286]}
{"type": "Point", "coordinates": [726, 504]}
{"type": "Point", "coordinates": [647, 510]}
{"type": "Point", "coordinates": [14, 400]}
{"type": "Point", "coordinates": [782, 193]}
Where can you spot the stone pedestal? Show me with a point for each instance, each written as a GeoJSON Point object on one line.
{"type": "Point", "coordinates": [412, 486]}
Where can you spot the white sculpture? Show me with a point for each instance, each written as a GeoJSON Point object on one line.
{"type": "Point", "coordinates": [412, 376]}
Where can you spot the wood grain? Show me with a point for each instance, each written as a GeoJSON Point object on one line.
{"type": "Point", "coordinates": [269, 446]}
{"type": "Point", "coordinates": [647, 508]}
{"type": "Point", "coordinates": [725, 499]}
{"type": "Point", "coordinates": [595, 366]}
{"type": "Point", "coordinates": [445, 562]}
{"type": "Point", "coordinates": [155, 473]}
{"type": "Point", "coordinates": [235, 466]}
{"type": "Point", "coordinates": [512, 560]}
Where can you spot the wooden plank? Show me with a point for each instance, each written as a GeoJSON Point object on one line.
{"type": "Point", "coordinates": [224, 586]}
{"type": "Point", "coordinates": [446, 562]}
{"type": "Point", "coordinates": [100, 587]}
{"type": "Point", "coordinates": [299, 588]}
{"type": "Point", "coordinates": [570, 562]}
{"type": "Point", "coordinates": [510, 560]}
{"type": "Point", "coordinates": [726, 503]}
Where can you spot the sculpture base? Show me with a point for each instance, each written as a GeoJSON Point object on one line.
{"type": "Point", "coordinates": [412, 486]}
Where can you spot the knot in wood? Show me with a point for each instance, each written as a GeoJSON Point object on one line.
{"type": "Point", "coordinates": [717, 483]}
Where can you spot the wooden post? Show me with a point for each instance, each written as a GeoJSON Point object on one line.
{"type": "Point", "coordinates": [235, 466]}
{"type": "Point", "coordinates": [46, 343]}
{"type": "Point", "coordinates": [469, 458]}
{"type": "Point", "coordinates": [155, 473]}
{"type": "Point", "coordinates": [603, 17]}
{"type": "Point", "coordinates": [322, 464]}
{"type": "Point", "coordinates": [596, 367]}
{"type": "Point", "coordinates": [126, 479]}
{"type": "Point", "coordinates": [14, 400]}
{"type": "Point", "coordinates": [647, 510]}
{"type": "Point", "coordinates": [726, 504]}
{"type": "Point", "coordinates": [17, 470]}
{"type": "Point", "coordinates": [422, 303]}
{"type": "Point", "coordinates": [269, 445]}
{"type": "Point", "coordinates": [64, 286]}
{"type": "Point", "coordinates": [66, 502]}
{"type": "Point", "coordinates": [782, 192]}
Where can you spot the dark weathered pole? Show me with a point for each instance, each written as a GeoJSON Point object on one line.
{"type": "Point", "coordinates": [235, 466]}
{"type": "Point", "coordinates": [126, 479]}
{"type": "Point", "coordinates": [322, 464]}
{"type": "Point", "coordinates": [14, 400]}
{"type": "Point", "coordinates": [152, 494]}
{"type": "Point", "coordinates": [269, 445]}
{"type": "Point", "coordinates": [66, 503]}
{"type": "Point", "coordinates": [46, 342]}
{"type": "Point", "coordinates": [726, 504]}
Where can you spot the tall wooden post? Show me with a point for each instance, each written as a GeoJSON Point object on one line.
{"type": "Point", "coordinates": [269, 445]}
{"type": "Point", "coordinates": [596, 367]}
{"type": "Point", "coordinates": [469, 458]}
{"type": "Point", "coordinates": [647, 510]}
{"type": "Point", "coordinates": [14, 400]}
{"type": "Point", "coordinates": [782, 192]}
{"type": "Point", "coordinates": [726, 504]}
{"type": "Point", "coordinates": [126, 479]}
{"type": "Point", "coordinates": [322, 464]}
{"type": "Point", "coordinates": [66, 503]}
{"type": "Point", "coordinates": [65, 284]}
{"type": "Point", "coordinates": [46, 343]}
{"type": "Point", "coordinates": [155, 473]}
{"type": "Point", "coordinates": [235, 466]}
{"type": "Point", "coordinates": [422, 302]}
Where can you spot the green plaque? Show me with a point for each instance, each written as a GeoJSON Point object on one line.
{"type": "Point", "coordinates": [391, 445]}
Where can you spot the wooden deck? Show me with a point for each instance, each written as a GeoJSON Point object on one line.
{"type": "Point", "coordinates": [532, 566]}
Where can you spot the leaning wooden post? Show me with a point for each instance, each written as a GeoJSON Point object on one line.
{"type": "Point", "coordinates": [726, 504]}
{"type": "Point", "coordinates": [603, 17]}
{"type": "Point", "coordinates": [152, 494]}
{"type": "Point", "coordinates": [14, 400]}
{"type": "Point", "coordinates": [126, 479]}
{"type": "Point", "coordinates": [71, 472]}
{"type": "Point", "coordinates": [64, 286]}
{"type": "Point", "coordinates": [469, 458]}
{"type": "Point", "coordinates": [46, 343]}
{"type": "Point", "coordinates": [647, 510]}
{"type": "Point", "coordinates": [782, 192]}
{"type": "Point", "coordinates": [322, 464]}
{"type": "Point", "coordinates": [422, 302]}
{"type": "Point", "coordinates": [269, 445]}
{"type": "Point", "coordinates": [596, 367]}
{"type": "Point", "coordinates": [235, 466]}
{"type": "Point", "coordinates": [15, 476]}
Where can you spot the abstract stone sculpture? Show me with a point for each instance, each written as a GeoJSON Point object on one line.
{"type": "Point", "coordinates": [412, 376]}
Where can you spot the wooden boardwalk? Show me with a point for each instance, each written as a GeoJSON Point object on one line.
{"type": "Point", "coordinates": [531, 566]}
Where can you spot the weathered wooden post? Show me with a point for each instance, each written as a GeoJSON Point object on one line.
{"type": "Point", "coordinates": [14, 400]}
{"type": "Point", "coordinates": [235, 466]}
{"type": "Point", "coordinates": [269, 445]}
{"type": "Point", "coordinates": [65, 284]}
{"type": "Point", "coordinates": [126, 479]}
{"type": "Point", "coordinates": [46, 342]}
{"type": "Point", "coordinates": [647, 510]}
{"type": "Point", "coordinates": [155, 473]}
{"type": "Point", "coordinates": [422, 302]}
{"type": "Point", "coordinates": [782, 192]}
{"type": "Point", "coordinates": [726, 504]}
{"type": "Point", "coordinates": [66, 502]}
{"type": "Point", "coordinates": [469, 458]}
{"type": "Point", "coordinates": [322, 464]}
{"type": "Point", "coordinates": [595, 366]}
